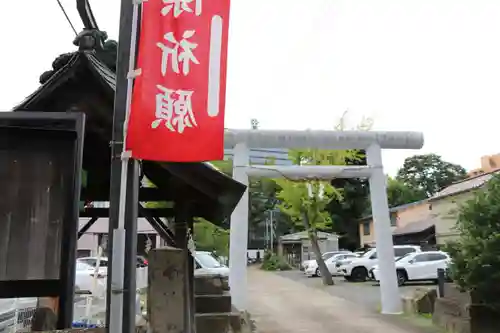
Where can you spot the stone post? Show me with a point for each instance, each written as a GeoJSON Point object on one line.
{"type": "Point", "coordinates": [238, 242]}
{"type": "Point", "coordinates": [166, 296]}
{"type": "Point", "coordinates": [389, 290]}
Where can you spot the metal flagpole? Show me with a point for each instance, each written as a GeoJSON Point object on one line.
{"type": "Point", "coordinates": [119, 233]}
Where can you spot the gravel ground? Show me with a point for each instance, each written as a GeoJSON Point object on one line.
{"type": "Point", "coordinates": [282, 305]}
{"type": "Point", "coordinates": [365, 294]}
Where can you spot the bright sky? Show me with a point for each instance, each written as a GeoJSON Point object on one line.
{"type": "Point", "coordinates": [420, 65]}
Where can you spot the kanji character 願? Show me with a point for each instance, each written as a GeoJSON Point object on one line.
{"type": "Point", "coordinates": [174, 107]}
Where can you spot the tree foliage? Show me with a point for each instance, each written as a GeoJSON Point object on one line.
{"type": "Point", "coordinates": [355, 193]}
{"type": "Point", "coordinates": [311, 197]}
{"type": "Point", "coordinates": [429, 173]}
{"type": "Point", "coordinates": [262, 196]}
{"type": "Point", "coordinates": [354, 205]}
{"type": "Point", "coordinates": [209, 237]}
{"type": "Point", "coordinates": [398, 193]}
{"type": "Point", "coordinates": [476, 254]}
{"type": "Point", "coordinates": [305, 202]}
{"type": "Point", "coordinates": [224, 166]}
{"type": "Point", "coordinates": [273, 262]}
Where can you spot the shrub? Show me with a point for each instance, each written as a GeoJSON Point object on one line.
{"type": "Point", "coordinates": [283, 265]}
{"type": "Point", "coordinates": [273, 262]}
{"type": "Point", "coordinates": [476, 253]}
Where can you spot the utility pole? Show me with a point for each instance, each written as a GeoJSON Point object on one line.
{"type": "Point", "coordinates": [121, 289]}
{"type": "Point", "coordinates": [266, 235]}
{"type": "Point", "coordinates": [272, 229]}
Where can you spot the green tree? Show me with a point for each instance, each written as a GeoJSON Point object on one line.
{"type": "Point", "coordinates": [224, 166]}
{"type": "Point", "coordinates": [262, 194]}
{"type": "Point", "coordinates": [262, 198]}
{"type": "Point", "coordinates": [476, 254]}
{"type": "Point", "coordinates": [355, 193]}
{"type": "Point", "coordinates": [398, 193]}
{"type": "Point", "coordinates": [429, 173]}
{"type": "Point", "coordinates": [209, 237]}
{"type": "Point", "coordinates": [305, 202]}
{"type": "Point", "coordinates": [354, 205]}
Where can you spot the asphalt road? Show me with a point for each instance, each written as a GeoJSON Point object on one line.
{"type": "Point", "coordinates": [365, 294]}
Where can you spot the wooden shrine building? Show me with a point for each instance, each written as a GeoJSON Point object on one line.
{"type": "Point", "coordinates": [84, 82]}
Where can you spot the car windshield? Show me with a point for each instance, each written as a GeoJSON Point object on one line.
{"type": "Point", "coordinates": [367, 253]}
{"type": "Point", "coordinates": [404, 257]}
{"type": "Point", "coordinates": [80, 266]}
{"type": "Point", "coordinates": [207, 260]}
{"type": "Point", "coordinates": [328, 255]}
{"type": "Point", "coordinates": [93, 262]}
{"type": "Point", "coordinates": [339, 257]}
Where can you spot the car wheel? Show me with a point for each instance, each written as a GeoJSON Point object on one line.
{"type": "Point", "coordinates": [318, 272]}
{"type": "Point", "coordinates": [359, 274]}
{"type": "Point", "coordinates": [402, 278]}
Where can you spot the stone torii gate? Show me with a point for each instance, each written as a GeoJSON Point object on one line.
{"type": "Point", "coordinates": [373, 142]}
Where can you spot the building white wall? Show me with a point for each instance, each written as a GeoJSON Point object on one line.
{"type": "Point", "coordinates": [90, 240]}
{"type": "Point", "coordinates": [446, 209]}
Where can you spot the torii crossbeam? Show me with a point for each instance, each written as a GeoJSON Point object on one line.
{"type": "Point", "coordinates": [372, 142]}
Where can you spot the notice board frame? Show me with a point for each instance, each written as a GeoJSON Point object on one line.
{"type": "Point", "coordinates": [59, 126]}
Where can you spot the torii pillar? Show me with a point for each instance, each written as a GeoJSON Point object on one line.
{"type": "Point", "coordinates": [372, 142]}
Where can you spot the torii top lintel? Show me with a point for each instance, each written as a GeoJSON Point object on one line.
{"type": "Point", "coordinates": [321, 139]}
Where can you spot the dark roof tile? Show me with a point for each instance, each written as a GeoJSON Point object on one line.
{"type": "Point", "coordinates": [200, 176]}
{"type": "Point", "coordinates": [417, 226]}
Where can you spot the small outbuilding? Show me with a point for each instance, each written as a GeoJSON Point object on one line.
{"type": "Point", "coordinates": [297, 247]}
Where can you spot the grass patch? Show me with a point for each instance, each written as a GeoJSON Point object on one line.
{"type": "Point", "coordinates": [422, 319]}
{"type": "Point", "coordinates": [422, 322]}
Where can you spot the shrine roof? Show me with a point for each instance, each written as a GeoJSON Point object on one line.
{"type": "Point", "coordinates": [216, 193]}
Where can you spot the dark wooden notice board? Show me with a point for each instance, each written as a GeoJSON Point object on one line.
{"type": "Point", "coordinates": [38, 166]}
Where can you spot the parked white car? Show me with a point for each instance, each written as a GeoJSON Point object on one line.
{"type": "Point", "coordinates": [313, 270]}
{"type": "Point", "coordinates": [358, 269]}
{"type": "Point", "coordinates": [85, 278]}
{"type": "Point", "coordinates": [325, 256]}
{"type": "Point", "coordinates": [103, 262]}
{"type": "Point", "coordinates": [207, 263]}
{"type": "Point", "coordinates": [417, 266]}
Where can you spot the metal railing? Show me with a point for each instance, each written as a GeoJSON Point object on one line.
{"type": "Point", "coordinates": [89, 310]}
{"type": "Point", "coordinates": [17, 315]}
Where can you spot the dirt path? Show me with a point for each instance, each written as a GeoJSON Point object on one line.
{"type": "Point", "coordinates": [280, 305]}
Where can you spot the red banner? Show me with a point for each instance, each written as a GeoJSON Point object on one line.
{"type": "Point", "coordinates": [177, 111]}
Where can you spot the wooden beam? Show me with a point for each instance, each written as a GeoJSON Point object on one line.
{"type": "Point", "coordinates": [157, 224]}
{"type": "Point", "coordinates": [104, 212]}
{"type": "Point", "coordinates": [87, 226]}
{"type": "Point", "coordinates": [30, 288]}
{"type": "Point", "coordinates": [145, 194]}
